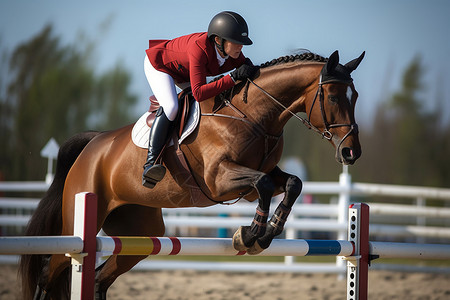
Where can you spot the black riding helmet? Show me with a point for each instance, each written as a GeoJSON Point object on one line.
{"type": "Point", "coordinates": [230, 26]}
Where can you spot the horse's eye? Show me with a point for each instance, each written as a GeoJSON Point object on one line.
{"type": "Point", "coordinates": [333, 98]}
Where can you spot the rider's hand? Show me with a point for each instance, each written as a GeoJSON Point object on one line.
{"type": "Point", "coordinates": [248, 61]}
{"type": "Point", "coordinates": [245, 71]}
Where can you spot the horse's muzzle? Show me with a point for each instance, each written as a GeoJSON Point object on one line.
{"type": "Point", "coordinates": [348, 155]}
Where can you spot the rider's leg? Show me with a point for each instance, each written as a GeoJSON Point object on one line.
{"type": "Point", "coordinates": [161, 128]}
{"type": "Point", "coordinates": [163, 87]}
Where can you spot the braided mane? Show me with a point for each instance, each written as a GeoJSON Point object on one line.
{"type": "Point", "coordinates": [302, 57]}
{"type": "Point", "coordinates": [308, 56]}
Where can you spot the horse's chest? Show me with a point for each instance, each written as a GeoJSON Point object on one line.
{"type": "Point", "coordinates": [262, 151]}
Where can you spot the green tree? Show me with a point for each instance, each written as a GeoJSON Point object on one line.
{"type": "Point", "coordinates": [53, 91]}
{"type": "Point", "coordinates": [4, 111]}
{"type": "Point", "coordinates": [408, 144]}
{"type": "Point", "coordinates": [114, 99]}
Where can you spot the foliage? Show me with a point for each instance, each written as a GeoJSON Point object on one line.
{"type": "Point", "coordinates": [408, 144]}
{"type": "Point", "coordinates": [48, 89]}
{"type": "Point", "coordinates": [53, 91]}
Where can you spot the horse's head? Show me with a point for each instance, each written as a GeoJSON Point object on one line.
{"type": "Point", "coordinates": [332, 109]}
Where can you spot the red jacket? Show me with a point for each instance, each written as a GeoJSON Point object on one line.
{"type": "Point", "coordinates": [191, 58]}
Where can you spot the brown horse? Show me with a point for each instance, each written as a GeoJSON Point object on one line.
{"type": "Point", "coordinates": [233, 153]}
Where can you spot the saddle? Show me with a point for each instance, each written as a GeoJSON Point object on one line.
{"type": "Point", "coordinates": [185, 101]}
{"type": "Point", "coordinates": [172, 157]}
{"type": "Point", "coordinates": [187, 119]}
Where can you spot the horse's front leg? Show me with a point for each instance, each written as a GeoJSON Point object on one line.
{"type": "Point", "coordinates": [246, 236]}
{"type": "Point", "coordinates": [292, 186]}
{"type": "Point", "coordinates": [232, 177]}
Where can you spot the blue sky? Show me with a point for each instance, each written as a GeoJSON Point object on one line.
{"type": "Point", "coordinates": [391, 32]}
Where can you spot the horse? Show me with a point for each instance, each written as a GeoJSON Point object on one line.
{"type": "Point", "coordinates": [232, 154]}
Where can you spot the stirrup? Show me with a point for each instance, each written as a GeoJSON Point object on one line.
{"type": "Point", "coordinates": [153, 175]}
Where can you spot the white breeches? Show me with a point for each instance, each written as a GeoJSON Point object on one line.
{"type": "Point", "coordinates": [163, 87]}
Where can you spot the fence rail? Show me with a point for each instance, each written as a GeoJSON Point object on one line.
{"type": "Point", "coordinates": [418, 221]}
{"type": "Point", "coordinates": [84, 248]}
{"type": "Point", "coordinates": [215, 247]}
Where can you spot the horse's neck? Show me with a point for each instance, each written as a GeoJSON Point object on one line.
{"type": "Point", "coordinates": [288, 85]}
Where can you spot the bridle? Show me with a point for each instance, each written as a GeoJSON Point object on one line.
{"type": "Point", "coordinates": [326, 133]}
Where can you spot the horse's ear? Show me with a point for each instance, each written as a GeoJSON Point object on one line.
{"type": "Point", "coordinates": [352, 65]}
{"type": "Point", "coordinates": [332, 62]}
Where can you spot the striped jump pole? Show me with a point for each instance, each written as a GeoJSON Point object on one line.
{"type": "Point", "coordinates": [163, 246]}
{"type": "Point", "coordinates": [213, 246]}
{"type": "Point", "coordinates": [217, 246]}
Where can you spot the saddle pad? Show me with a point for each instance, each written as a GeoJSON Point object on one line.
{"type": "Point", "coordinates": [141, 131]}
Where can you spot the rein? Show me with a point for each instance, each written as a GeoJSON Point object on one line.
{"type": "Point", "coordinates": [326, 134]}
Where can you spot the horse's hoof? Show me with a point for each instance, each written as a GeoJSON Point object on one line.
{"type": "Point", "coordinates": [238, 242]}
{"type": "Point", "coordinates": [255, 249]}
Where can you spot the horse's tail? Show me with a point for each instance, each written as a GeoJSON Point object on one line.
{"type": "Point", "coordinates": [47, 219]}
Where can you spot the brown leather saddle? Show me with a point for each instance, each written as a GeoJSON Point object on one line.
{"type": "Point", "coordinates": [185, 99]}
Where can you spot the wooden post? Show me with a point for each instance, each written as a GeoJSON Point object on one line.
{"type": "Point", "coordinates": [358, 264]}
{"type": "Point", "coordinates": [83, 264]}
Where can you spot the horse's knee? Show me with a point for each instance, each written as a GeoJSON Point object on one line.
{"type": "Point", "coordinates": [265, 187]}
{"type": "Point", "coordinates": [293, 189]}
{"type": "Point", "coordinates": [294, 185]}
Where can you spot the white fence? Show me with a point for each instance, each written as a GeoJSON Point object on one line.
{"type": "Point", "coordinates": [413, 220]}
{"type": "Point", "coordinates": [85, 248]}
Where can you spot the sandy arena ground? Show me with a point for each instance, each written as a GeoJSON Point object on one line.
{"type": "Point", "coordinates": [183, 285]}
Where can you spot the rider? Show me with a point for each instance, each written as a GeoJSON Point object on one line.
{"type": "Point", "coordinates": [187, 60]}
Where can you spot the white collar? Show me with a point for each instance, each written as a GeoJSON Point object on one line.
{"type": "Point", "coordinates": [220, 59]}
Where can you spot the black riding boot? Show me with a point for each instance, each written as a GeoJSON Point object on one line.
{"type": "Point", "coordinates": [159, 133]}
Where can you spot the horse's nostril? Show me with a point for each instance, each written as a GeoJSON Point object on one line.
{"type": "Point", "coordinates": [347, 154]}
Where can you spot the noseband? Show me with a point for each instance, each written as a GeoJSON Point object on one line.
{"type": "Point", "coordinates": [307, 122]}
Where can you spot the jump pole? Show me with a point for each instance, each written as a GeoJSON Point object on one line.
{"type": "Point", "coordinates": [113, 245]}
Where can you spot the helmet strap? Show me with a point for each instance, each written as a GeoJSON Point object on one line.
{"type": "Point", "coordinates": [221, 45]}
